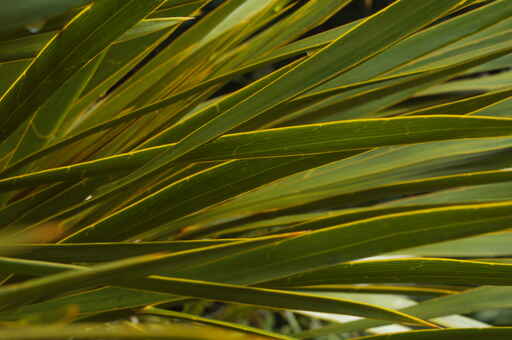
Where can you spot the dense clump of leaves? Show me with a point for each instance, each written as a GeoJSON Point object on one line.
{"type": "Point", "coordinates": [210, 162]}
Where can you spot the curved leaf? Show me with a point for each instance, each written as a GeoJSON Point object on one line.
{"type": "Point", "coordinates": [425, 271]}
{"type": "Point", "coordinates": [293, 141]}
{"type": "Point", "coordinates": [112, 273]}
{"type": "Point", "coordinates": [494, 333]}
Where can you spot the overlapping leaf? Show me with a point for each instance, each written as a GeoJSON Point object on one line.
{"type": "Point", "coordinates": [239, 123]}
